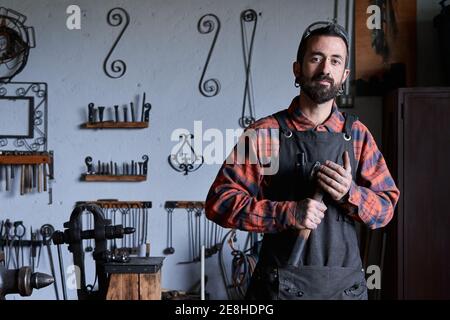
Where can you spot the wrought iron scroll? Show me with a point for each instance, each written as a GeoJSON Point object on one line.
{"type": "Point", "coordinates": [185, 159]}
{"type": "Point", "coordinates": [116, 17]}
{"type": "Point", "coordinates": [248, 17]}
{"type": "Point", "coordinates": [207, 24]}
{"type": "Point", "coordinates": [36, 92]}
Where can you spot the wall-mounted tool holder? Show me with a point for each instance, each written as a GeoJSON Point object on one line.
{"type": "Point", "coordinates": [22, 250]}
{"type": "Point", "coordinates": [127, 117]}
{"type": "Point", "coordinates": [31, 170]}
{"type": "Point", "coordinates": [133, 171]}
{"type": "Point", "coordinates": [210, 237]}
{"type": "Point", "coordinates": [24, 158]}
{"type": "Point", "coordinates": [131, 214]}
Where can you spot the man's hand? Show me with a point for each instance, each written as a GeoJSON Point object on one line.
{"type": "Point", "coordinates": [334, 179]}
{"type": "Point", "coordinates": [310, 213]}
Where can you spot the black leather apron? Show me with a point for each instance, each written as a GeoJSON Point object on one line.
{"type": "Point", "coordinates": [331, 266]}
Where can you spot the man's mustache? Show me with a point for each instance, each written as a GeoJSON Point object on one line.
{"type": "Point", "coordinates": [323, 77]}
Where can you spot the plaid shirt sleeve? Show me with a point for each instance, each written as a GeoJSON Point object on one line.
{"type": "Point", "coordinates": [234, 198]}
{"type": "Point", "coordinates": [373, 196]}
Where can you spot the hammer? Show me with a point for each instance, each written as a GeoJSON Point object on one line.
{"type": "Point", "coordinates": [303, 235]}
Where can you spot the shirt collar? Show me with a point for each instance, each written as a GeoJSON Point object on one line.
{"type": "Point", "coordinates": [334, 123]}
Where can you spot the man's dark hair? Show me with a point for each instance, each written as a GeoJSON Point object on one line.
{"type": "Point", "coordinates": [322, 29]}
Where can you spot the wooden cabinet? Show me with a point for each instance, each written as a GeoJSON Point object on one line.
{"type": "Point", "coordinates": [416, 144]}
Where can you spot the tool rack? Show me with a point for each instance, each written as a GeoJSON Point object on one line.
{"type": "Point", "coordinates": [114, 203]}
{"type": "Point", "coordinates": [30, 158]}
{"type": "Point", "coordinates": [110, 172]}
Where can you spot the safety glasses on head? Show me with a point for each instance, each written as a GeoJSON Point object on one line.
{"type": "Point", "coordinates": [329, 26]}
{"type": "Point", "coordinates": [323, 28]}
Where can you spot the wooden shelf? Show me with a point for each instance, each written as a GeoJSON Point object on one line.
{"type": "Point", "coordinates": [24, 159]}
{"type": "Point", "coordinates": [114, 203]}
{"type": "Point", "coordinates": [115, 125]}
{"type": "Point", "coordinates": [184, 204]}
{"type": "Point", "coordinates": [112, 178]}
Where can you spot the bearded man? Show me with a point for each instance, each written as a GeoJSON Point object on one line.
{"type": "Point", "coordinates": [318, 151]}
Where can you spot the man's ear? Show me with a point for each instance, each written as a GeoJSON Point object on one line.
{"type": "Point", "coordinates": [296, 67]}
{"type": "Point", "coordinates": [345, 75]}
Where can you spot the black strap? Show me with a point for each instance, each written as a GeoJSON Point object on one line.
{"type": "Point", "coordinates": [350, 119]}
{"type": "Point", "coordinates": [280, 116]}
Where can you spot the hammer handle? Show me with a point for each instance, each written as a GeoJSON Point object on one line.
{"type": "Point", "coordinates": [302, 238]}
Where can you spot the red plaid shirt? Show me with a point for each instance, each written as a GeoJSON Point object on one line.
{"type": "Point", "coordinates": [236, 198]}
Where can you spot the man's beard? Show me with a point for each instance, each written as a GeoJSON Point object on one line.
{"type": "Point", "coordinates": [317, 92]}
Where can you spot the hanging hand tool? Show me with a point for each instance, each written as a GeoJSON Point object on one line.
{"type": "Point", "coordinates": [62, 272]}
{"type": "Point", "coordinates": [45, 177]}
{"type": "Point", "coordinates": [19, 233]}
{"type": "Point", "coordinates": [22, 180]}
{"type": "Point", "coordinates": [39, 179]}
{"type": "Point", "coordinates": [33, 248]}
{"type": "Point", "coordinates": [47, 231]}
{"type": "Point", "coordinates": [35, 177]}
{"type": "Point", "coordinates": [13, 171]}
{"type": "Point", "coordinates": [6, 178]}
{"type": "Point", "coordinates": [1, 177]}
{"type": "Point", "coordinates": [303, 235]}
{"type": "Point", "coordinates": [170, 249]}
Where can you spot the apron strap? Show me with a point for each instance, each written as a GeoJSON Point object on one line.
{"type": "Point", "coordinates": [280, 116]}
{"type": "Point", "coordinates": [350, 119]}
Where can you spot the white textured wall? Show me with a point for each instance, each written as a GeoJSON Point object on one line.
{"type": "Point", "coordinates": [165, 55]}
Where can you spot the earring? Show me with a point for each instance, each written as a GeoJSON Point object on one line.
{"type": "Point", "coordinates": [296, 84]}
{"type": "Point", "coordinates": [341, 90]}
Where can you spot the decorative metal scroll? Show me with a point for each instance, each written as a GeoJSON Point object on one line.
{"type": "Point", "coordinates": [185, 159]}
{"type": "Point", "coordinates": [36, 95]}
{"type": "Point", "coordinates": [248, 17]}
{"type": "Point", "coordinates": [116, 17]}
{"type": "Point", "coordinates": [207, 24]}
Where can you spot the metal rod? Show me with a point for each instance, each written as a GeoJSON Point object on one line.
{"type": "Point", "coordinates": [62, 272]}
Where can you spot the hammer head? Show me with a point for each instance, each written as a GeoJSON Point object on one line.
{"type": "Point", "coordinates": [314, 171]}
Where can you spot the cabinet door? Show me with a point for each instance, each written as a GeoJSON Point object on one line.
{"type": "Point", "coordinates": [426, 173]}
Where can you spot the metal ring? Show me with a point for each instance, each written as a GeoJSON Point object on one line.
{"type": "Point", "coordinates": [347, 137]}
{"type": "Point", "coordinates": [287, 133]}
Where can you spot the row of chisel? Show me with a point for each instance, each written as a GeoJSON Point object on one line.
{"type": "Point", "coordinates": [96, 115]}
{"type": "Point", "coordinates": [113, 168]}
{"type": "Point", "coordinates": [33, 177]}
